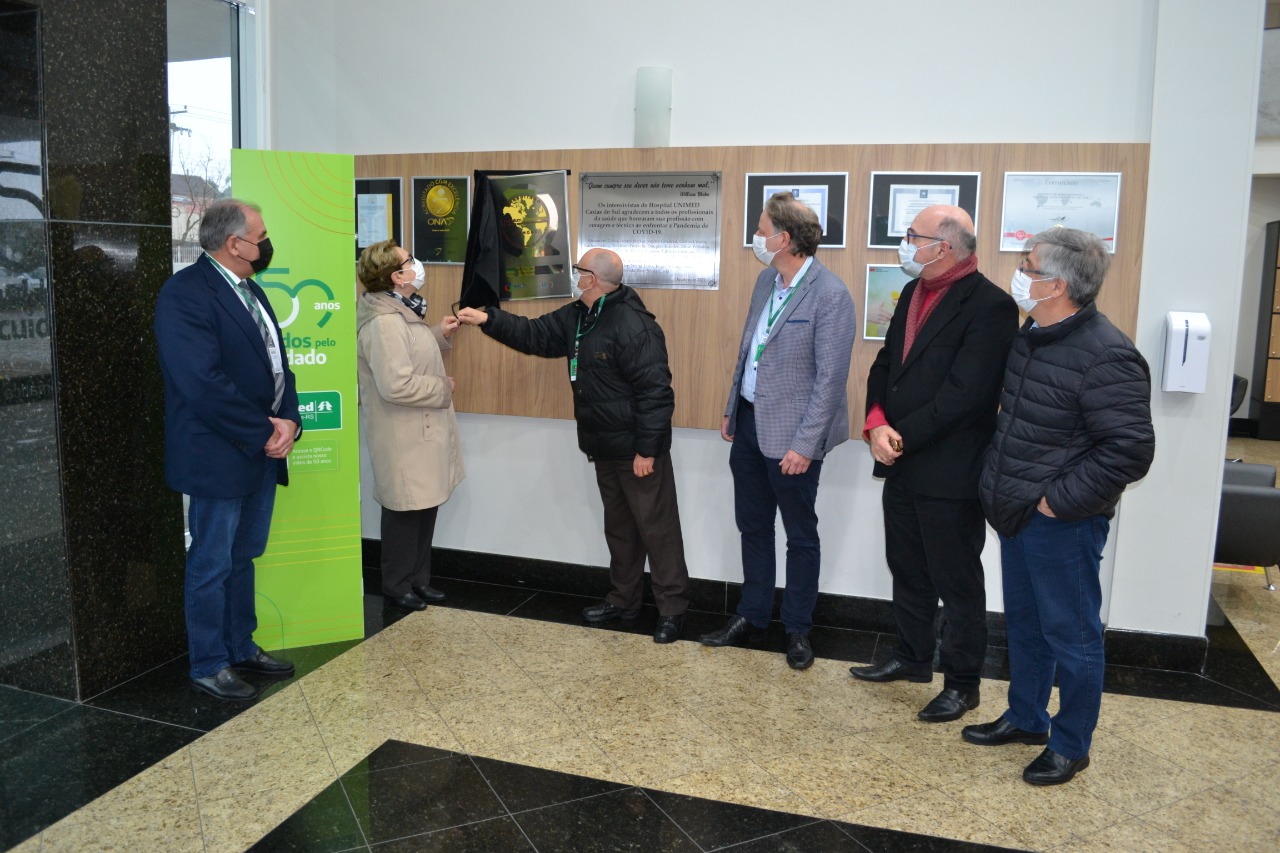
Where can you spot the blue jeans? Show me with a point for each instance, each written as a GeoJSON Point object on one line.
{"type": "Point", "coordinates": [227, 535]}
{"type": "Point", "coordinates": [760, 490]}
{"type": "Point", "coordinates": [1052, 606]}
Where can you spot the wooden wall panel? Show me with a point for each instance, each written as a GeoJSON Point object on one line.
{"type": "Point", "coordinates": [703, 327]}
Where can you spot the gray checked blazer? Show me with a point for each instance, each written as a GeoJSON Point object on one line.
{"type": "Point", "coordinates": [802, 401]}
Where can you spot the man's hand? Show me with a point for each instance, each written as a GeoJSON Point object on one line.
{"type": "Point", "coordinates": [449, 325]}
{"type": "Point", "coordinates": [281, 441]}
{"type": "Point", "coordinates": [1044, 507]}
{"type": "Point", "coordinates": [472, 316]}
{"type": "Point", "coordinates": [886, 444]}
{"type": "Point", "coordinates": [642, 466]}
{"type": "Point", "coordinates": [794, 463]}
{"type": "Point", "coordinates": [724, 429]}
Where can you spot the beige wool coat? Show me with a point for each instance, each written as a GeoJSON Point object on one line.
{"type": "Point", "coordinates": [406, 406]}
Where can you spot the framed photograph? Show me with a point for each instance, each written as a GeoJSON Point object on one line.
{"type": "Point", "coordinates": [441, 213]}
{"type": "Point", "coordinates": [825, 193]}
{"type": "Point", "coordinates": [896, 198]}
{"type": "Point", "coordinates": [378, 214]}
{"type": "Point", "coordinates": [1034, 201]}
{"type": "Point", "coordinates": [884, 285]}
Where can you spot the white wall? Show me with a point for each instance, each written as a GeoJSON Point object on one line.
{"type": "Point", "coordinates": [416, 77]}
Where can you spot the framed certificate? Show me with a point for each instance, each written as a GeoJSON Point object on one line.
{"type": "Point", "coordinates": [825, 193]}
{"type": "Point", "coordinates": [896, 198]}
{"type": "Point", "coordinates": [885, 283]}
{"type": "Point", "coordinates": [1034, 201]}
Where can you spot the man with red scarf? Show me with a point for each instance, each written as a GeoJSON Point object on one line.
{"type": "Point", "coordinates": [932, 396]}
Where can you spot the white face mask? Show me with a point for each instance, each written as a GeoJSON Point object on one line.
{"type": "Point", "coordinates": [907, 257]}
{"type": "Point", "coordinates": [1020, 288]}
{"type": "Point", "coordinates": [758, 245]}
{"type": "Point", "coordinates": [419, 274]}
{"type": "Point", "coordinates": [574, 278]}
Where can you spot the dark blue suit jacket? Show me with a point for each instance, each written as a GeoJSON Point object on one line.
{"type": "Point", "coordinates": [218, 386]}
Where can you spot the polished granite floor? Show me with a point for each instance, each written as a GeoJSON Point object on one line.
{"type": "Point", "coordinates": [497, 723]}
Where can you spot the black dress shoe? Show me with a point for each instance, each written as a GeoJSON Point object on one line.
{"type": "Point", "coordinates": [602, 612]}
{"type": "Point", "coordinates": [266, 664]}
{"type": "Point", "coordinates": [225, 684]}
{"type": "Point", "coordinates": [1050, 768]}
{"type": "Point", "coordinates": [736, 630]}
{"type": "Point", "coordinates": [1001, 732]}
{"type": "Point", "coordinates": [950, 704]}
{"type": "Point", "coordinates": [799, 652]}
{"type": "Point", "coordinates": [892, 670]}
{"type": "Point", "coordinates": [429, 593]}
{"type": "Point", "coordinates": [408, 601]}
{"type": "Point", "coordinates": [668, 630]}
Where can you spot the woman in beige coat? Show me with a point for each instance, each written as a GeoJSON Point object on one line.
{"type": "Point", "coordinates": [406, 404]}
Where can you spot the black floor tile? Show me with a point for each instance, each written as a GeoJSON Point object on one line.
{"type": "Point", "coordinates": [20, 710]}
{"type": "Point", "coordinates": [167, 695]}
{"type": "Point", "coordinates": [481, 597]}
{"type": "Point", "coordinates": [324, 825]}
{"type": "Point", "coordinates": [397, 753]}
{"type": "Point", "coordinates": [378, 615]}
{"type": "Point", "coordinates": [878, 840]}
{"type": "Point", "coordinates": [489, 836]}
{"type": "Point", "coordinates": [820, 837]}
{"type": "Point", "coordinates": [522, 788]}
{"type": "Point", "coordinates": [1230, 662]}
{"type": "Point", "coordinates": [713, 824]}
{"type": "Point", "coordinates": [842, 644]}
{"type": "Point", "coordinates": [420, 798]}
{"type": "Point", "coordinates": [59, 765]}
{"type": "Point", "coordinates": [624, 820]}
{"type": "Point", "coordinates": [1178, 687]}
{"type": "Point", "coordinates": [563, 608]}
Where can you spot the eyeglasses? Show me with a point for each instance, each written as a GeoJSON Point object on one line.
{"type": "Point", "coordinates": [453, 309]}
{"type": "Point", "coordinates": [1024, 267]}
{"type": "Point", "coordinates": [583, 270]}
{"type": "Point", "coordinates": [911, 235]}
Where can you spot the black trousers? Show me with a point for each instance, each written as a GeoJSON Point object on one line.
{"type": "Point", "coordinates": [406, 549]}
{"type": "Point", "coordinates": [934, 550]}
{"type": "Point", "coordinates": [642, 520]}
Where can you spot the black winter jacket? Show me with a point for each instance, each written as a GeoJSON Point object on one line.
{"type": "Point", "coordinates": [622, 397]}
{"type": "Point", "coordinates": [1074, 424]}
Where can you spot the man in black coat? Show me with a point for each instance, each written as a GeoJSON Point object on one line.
{"type": "Point", "coordinates": [1074, 430]}
{"type": "Point", "coordinates": [931, 410]}
{"type": "Point", "coordinates": [622, 402]}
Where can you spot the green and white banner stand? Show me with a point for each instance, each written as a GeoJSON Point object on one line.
{"type": "Point", "coordinates": [309, 587]}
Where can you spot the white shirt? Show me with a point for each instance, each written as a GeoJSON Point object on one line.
{"type": "Point", "coordinates": [774, 306]}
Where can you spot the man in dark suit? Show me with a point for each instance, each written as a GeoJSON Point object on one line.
{"type": "Point", "coordinates": [932, 396]}
{"type": "Point", "coordinates": [788, 408]}
{"type": "Point", "coordinates": [231, 418]}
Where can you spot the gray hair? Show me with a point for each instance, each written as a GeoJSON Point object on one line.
{"type": "Point", "coordinates": [222, 219]}
{"type": "Point", "coordinates": [963, 241]}
{"type": "Point", "coordinates": [1077, 257]}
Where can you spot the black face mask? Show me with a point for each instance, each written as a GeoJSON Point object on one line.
{"type": "Point", "coordinates": [264, 256]}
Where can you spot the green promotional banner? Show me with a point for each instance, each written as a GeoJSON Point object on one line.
{"type": "Point", "coordinates": [309, 580]}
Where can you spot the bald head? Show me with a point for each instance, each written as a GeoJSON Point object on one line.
{"type": "Point", "coordinates": [605, 264]}
{"type": "Point", "coordinates": [952, 224]}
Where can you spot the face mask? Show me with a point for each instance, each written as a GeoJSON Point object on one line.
{"type": "Point", "coordinates": [574, 278]}
{"type": "Point", "coordinates": [264, 256]}
{"type": "Point", "coordinates": [763, 255]}
{"type": "Point", "coordinates": [907, 258]}
{"type": "Point", "coordinates": [1020, 287]}
{"type": "Point", "coordinates": [419, 273]}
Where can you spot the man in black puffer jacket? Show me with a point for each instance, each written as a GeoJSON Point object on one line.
{"type": "Point", "coordinates": [622, 402]}
{"type": "Point", "coordinates": [1074, 429]}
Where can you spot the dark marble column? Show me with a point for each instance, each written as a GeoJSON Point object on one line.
{"type": "Point", "coordinates": [90, 538]}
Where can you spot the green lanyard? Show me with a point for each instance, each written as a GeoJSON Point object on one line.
{"type": "Point", "coordinates": [774, 315]}
{"type": "Point", "coordinates": [578, 336]}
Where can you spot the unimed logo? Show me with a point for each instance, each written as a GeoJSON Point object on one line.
{"type": "Point", "coordinates": [320, 410]}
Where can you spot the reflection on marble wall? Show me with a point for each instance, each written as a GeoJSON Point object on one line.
{"type": "Point", "coordinates": [91, 558]}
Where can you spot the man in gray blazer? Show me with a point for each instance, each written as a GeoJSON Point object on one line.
{"type": "Point", "coordinates": [788, 407]}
